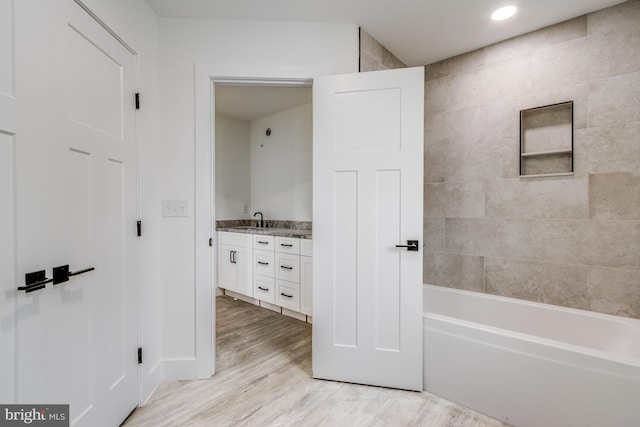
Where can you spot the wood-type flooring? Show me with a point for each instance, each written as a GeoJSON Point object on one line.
{"type": "Point", "coordinates": [263, 378]}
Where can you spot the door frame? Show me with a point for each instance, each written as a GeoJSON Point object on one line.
{"type": "Point", "coordinates": [206, 77]}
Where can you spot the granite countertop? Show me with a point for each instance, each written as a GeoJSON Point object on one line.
{"type": "Point", "coordinates": [267, 231]}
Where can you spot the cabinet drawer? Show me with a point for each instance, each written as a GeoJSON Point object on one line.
{"type": "Point", "coordinates": [234, 239]}
{"type": "Point", "coordinates": [306, 247]}
{"type": "Point", "coordinates": [263, 263]}
{"type": "Point", "coordinates": [264, 288]}
{"type": "Point", "coordinates": [288, 267]}
{"type": "Point", "coordinates": [263, 242]}
{"type": "Point", "coordinates": [288, 245]}
{"type": "Point", "coordinates": [288, 295]}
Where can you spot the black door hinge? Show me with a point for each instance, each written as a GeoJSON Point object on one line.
{"type": "Point", "coordinates": [137, 101]}
{"type": "Point", "coordinates": [210, 241]}
{"type": "Point", "coordinates": [139, 355]}
{"type": "Point", "coordinates": [139, 228]}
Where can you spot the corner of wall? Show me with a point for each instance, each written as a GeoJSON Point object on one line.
{"type": "Point", "coordinates": [374, 56]}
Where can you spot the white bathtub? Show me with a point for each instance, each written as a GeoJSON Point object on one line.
{"type": "Point", "coordinates": [531, 364]}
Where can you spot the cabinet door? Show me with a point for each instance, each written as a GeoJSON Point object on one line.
{"type": "Point", "coordinates": [306, 247]}
{"type": "Point", "coordinates": [306, 285]}
{"type": "Point", "coordinates": [227, 277]}
{"type": "Point", "coordinates": [243, 258]}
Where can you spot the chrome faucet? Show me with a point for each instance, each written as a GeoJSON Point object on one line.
{"type": "Point", "coordinates": [261, 223]}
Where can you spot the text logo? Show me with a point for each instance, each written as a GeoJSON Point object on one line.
{"type": "Point", "coordinates": [34, 415]}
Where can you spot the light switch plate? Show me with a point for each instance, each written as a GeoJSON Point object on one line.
{"type": "Point", "coordinates": [175, 208]}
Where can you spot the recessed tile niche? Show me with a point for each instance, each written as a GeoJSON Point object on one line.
{"type": "Point", "coordinates": [546, 140]}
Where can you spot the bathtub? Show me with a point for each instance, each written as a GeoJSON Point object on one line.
{"type": "Point", "coordinates": [531, 364]}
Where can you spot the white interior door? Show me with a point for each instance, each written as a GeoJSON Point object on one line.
{"type": "Point", "coordinates": [75, 167]}
{"type": "Point", "coordinates": [367, 198]}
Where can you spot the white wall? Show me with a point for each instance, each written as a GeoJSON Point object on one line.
{"type": "Point", "coordinates": [233, 171]}
{"type": "Point", "coordinates": [323, 48]}
{"type": "Point", "coordinates": [281, 165]}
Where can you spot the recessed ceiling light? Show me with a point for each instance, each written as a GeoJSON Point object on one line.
{"type": "Point", "coordinates": [503, 13]}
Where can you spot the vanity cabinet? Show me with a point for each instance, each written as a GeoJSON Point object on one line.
{"type": "Point", "coordinates": [272, 269]}
{"type": "Point", "coordinates": [306, 276]}
{"type": "Point", "coordinates": [235, 267]}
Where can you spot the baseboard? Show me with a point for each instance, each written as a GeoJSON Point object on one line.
{"type": "Point", "coordinates": [179, 369]}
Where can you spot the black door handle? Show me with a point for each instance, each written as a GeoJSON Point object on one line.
{"type": "Point", "coordinates": [61, 274]}
{"type": "Point", "coordinates": [412, 245]}
{"type": "Point", "coordinates": [34, 281]}
{"type": "Point", "coordinates": [263, 263]}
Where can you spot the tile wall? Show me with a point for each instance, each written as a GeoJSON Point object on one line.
{"type": "Point", "coordinates": [574, 240]}
{"type": "Point", "coordinates": [374, 56]}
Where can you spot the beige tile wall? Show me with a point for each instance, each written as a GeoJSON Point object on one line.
{"type": "Point", "coordinates": [572, 241]}
{"type": "Point", "coordinates": [374, 56]}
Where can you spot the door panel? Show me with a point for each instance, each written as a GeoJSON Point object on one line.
{"type": "Point", "coordinates": [368, 190]}
{"type": "Point", "coordinates": [367, 120]}
{"type": "Point", "coordinates": [98, 106]}
{"type": "Point", "coordinates": [387, 294]}
{"type": "Point", "coordinates": [345, 249]}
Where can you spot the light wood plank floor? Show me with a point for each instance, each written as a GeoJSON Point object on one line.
{"type": "Point", "coordinates": [264, 379]}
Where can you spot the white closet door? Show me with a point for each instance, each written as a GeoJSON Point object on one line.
{"type": "Point", "coordinates": [76, 204]}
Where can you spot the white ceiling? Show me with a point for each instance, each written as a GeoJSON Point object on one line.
{"type": "Point", "coordinates": [418, 32]}
{"type": "Point", "coordinates": [253, 102]}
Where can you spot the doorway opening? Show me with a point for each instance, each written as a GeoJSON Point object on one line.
{"type": "Point", "coordinates": [262, 178]}
{"type": "Point", "coordinates": [208, 77]}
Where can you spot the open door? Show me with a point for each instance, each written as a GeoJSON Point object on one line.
{"type": "Point", "coordinates": [367, 201]}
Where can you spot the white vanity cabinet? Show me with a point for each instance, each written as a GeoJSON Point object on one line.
{"type": "Point", "coordinates": [271, 269]}
{"type": "Point", "coordinates": [306, 276]}
{"type": "Point", "coordinates": [235, 267]}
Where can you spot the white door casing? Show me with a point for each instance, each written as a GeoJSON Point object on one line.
{"type": "Point", "coordinates": [76, 204]}
{"type": "Point", "coordinates": [206, 77]}
{"type": "Point", "coordinates": [367, 198]}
